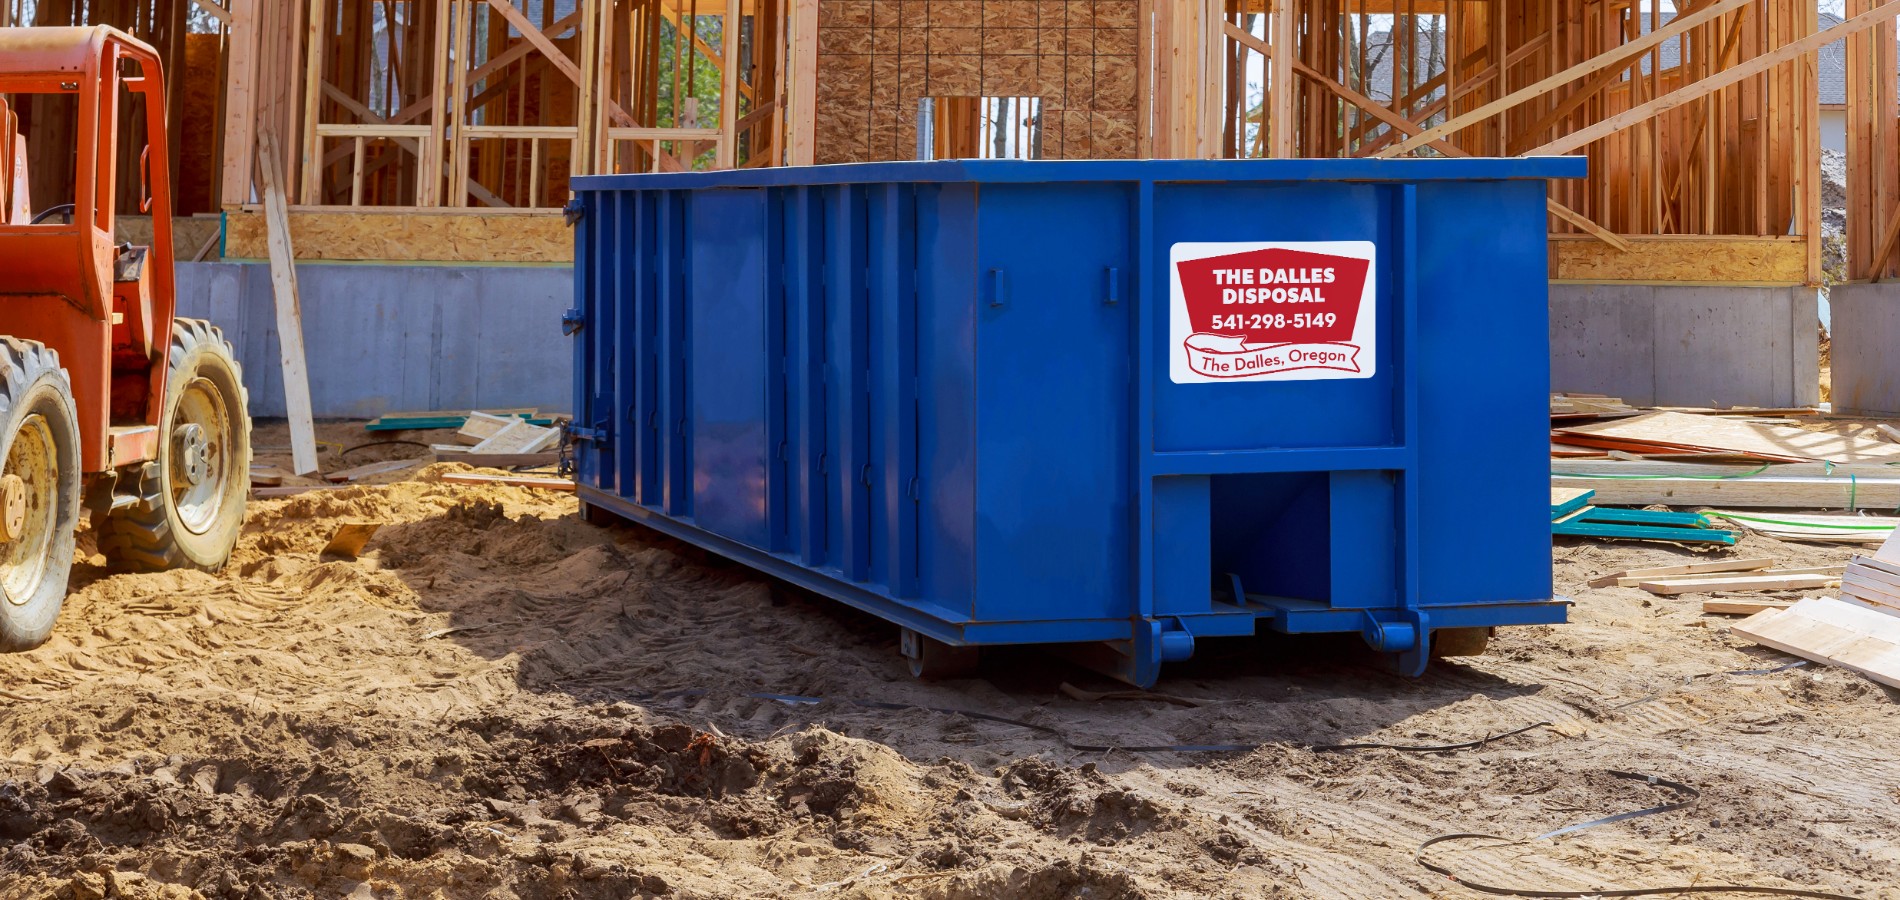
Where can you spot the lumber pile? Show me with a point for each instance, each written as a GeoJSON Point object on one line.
{"type": "Point", "coordinates": [1756, 485]}
{"type": "Point", "coordinates": [1679, 433]}
{"type": "Point", "coordinates": [1723, 576]}
{"type": "Point", "coordinates": [1571, 513]}
{"type": "Point", "coordinates": [1835, 632]}
{"type": "Point", "coordinates": [1573, 407]}
{"type": "Point", "coordinates": [443, 419]}
{"type": "Point", "coordinates": [484, 433]}
{"type": "Point", "coordinates": [1858, 631]}
{"type": "Point", "coordinates": [1813, 528]}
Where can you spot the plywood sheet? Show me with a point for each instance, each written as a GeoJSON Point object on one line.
{"type": "Point", "coordinates": [1692, 432]}
{"type": "Point", "coordinates": [1833, 632]}
{"type": "Point", "coordinates": [409, 236]}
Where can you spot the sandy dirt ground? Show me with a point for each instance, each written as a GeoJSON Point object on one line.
{"type": "Point", "coordinates": [498, 700]}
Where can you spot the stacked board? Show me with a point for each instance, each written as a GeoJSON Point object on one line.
{"type": "Point", "coordinates": [1572, 514]}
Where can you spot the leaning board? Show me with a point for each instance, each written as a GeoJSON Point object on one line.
{"type": "Point", "coordinates": [1834, 632]}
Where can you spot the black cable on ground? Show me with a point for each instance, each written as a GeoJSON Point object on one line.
{"type": "Point", "coordinates": [349, 450]}
{"type": "Point", "coordinates": [1687, 796]}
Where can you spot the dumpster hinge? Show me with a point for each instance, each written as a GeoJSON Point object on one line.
{"type": "Point", "coordinates": [572, 321]}
{"type": "Point", "coordinates": [600, 433]}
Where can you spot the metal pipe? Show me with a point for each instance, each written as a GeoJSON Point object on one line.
{"type": "Point", "coordinates": [926, 128]}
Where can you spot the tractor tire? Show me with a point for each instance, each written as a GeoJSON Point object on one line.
{"type": "Point", "coordinates": [39, 491]}
{"type": "Point", "coordinates": [190, 512]}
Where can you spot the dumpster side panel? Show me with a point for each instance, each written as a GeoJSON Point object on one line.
{"type": "Point", "coordinates": [1054, 520]}
{"type": "Point", "coordinates": [728, 358]}
{"type": "Point", "coordinates": [946, 394]}
{"type": "Point", "coordinates": [1484, 386]}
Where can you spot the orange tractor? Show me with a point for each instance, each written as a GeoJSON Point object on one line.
{"type": "Point", "coordinates": [108, 402]}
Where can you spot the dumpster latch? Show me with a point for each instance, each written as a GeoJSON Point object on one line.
{"type": "Point", "coordinates": [599, 433]}
{"type": "Point", "coordinates": [572, 321]}
{"type": "Point", "coordinates": [574, 211]}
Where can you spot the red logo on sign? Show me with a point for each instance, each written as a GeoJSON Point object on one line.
{"type": "Point", "coordinates": [1272, 310]}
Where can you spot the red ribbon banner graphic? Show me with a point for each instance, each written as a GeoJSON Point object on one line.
{"type": "Point", "coordinates": [1230, 356]}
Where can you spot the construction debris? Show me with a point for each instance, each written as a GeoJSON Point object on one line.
{"type": "Point", "coordinates": [1734, 607]}
{"type": "Point", "coordinates": [1571, 514]}
{"type": "Point", "coordinates": [1768, 580]}
{"type": "Point", "coordinates": [1814, 528]}
{"type": "Point", "coordinates": [514, 436]}
{"type": "Point", "coordinates": [371, 469]}
{"type": "Point", "coordinates": [449, 418]}
{"type": "Point", "coordinates": [1761, 486]}
{"type": "Point", "coordinates": [350, 538]}
{"type": "Point", "coordinates": [551, 484]}
{"type": "Point", "coordinates": [1674, 432]}
{"type": "Point", "coordinates": [1633, 577]}
{"type": "Point", "coordinates": [1836, 632]}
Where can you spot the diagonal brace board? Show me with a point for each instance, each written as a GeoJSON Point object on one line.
{"type": "Point", "coordinates": [1696, 90]}
{"type": "Point", "coordinates": [1625, 54]}
{"type": "Point", "coordinates": [1400, 123]}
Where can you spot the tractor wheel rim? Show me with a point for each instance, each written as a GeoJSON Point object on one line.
{"type": "Point", "coordinates": [25, 559]}
{"type": "Point", "coordinates": [199, 501]}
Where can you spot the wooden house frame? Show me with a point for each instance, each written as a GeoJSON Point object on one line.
{"type": "Point", "coordinates": [446, 129]}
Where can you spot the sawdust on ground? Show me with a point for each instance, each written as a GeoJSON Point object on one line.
{"type": "Point", "coordinates": [498, 700]}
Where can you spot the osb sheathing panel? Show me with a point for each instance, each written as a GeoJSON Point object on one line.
{"type": "Point", "coordinates": [877, 58]}
{"type": "Point", "coordinates": [1679, 259]}
{"type": "Point", "coordinates": [408, 236]}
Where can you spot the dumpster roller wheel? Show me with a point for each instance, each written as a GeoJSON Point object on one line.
{"type": "Point", "coordinates": [1460, 642]}
{"type": "Point", "coordinates": [931, 659]}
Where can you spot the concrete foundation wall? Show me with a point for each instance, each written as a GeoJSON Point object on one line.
{"type": "Point", "coordinates": [1865, 356]}
{"type": "Point", "coordinates": [1674, 345]}
{"type": "Point", "coordinates": [382, 338]}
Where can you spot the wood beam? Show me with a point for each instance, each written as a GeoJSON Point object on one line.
{"type": "Point", "coordinates": [727, 154]}
{"type": "Point", "coordinates": [803, 91]}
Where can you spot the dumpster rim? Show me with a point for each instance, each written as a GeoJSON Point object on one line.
{"type": "Point", "coordinates": [1015, 171]}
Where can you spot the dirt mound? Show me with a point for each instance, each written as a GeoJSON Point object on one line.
{"type": "Point", "coordinates": [497, 700]}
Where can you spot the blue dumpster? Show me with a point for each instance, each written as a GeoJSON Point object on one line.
{"type": "Point", "coordinates": [1118, 406]}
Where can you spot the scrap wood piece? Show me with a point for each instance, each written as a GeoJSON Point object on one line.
{"type": "Point", "coordinates": [1720, 565]}
{"type": "Point", "coordinates": [267, 476]}
{"type": "Point", "coordinates": [1686, 431]}
{"type": "Point", "coordinates": [1564, 501]}
{"type": "Point", "coordinates": [480, 426]}
{"type": "Point", "coordinates": [1640, 524]}
{"type": "Point", "coordinates": [509, 460]}
{"type": "Point", "coordinates": [350, 538]}
{"type": "Point", "coordinates": [1834, 632]}
{"type": "Point", "coordinates": [1766, 491]}
{"type": "Point", "coordinates": [283, 276]}
{"type": "Point", "coordinates": [1837, 529]}
{"type": "Point", "coordinates": [292, 490]}
{"type": "Point", "coordinates": [370, 469]}
{"type": "Point", "coordinates": [1640, 580]}
{"type": "Point", "coordinates": [453, 418]}
{"type": "Point", "coordinates": [1735, 607]}
{"type": "Point", "coordinates": [1759, 583]}
{"type": "Point", "coordinates": [527, 481]}
{"type": "Point", "coordinates": [518, 437]}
